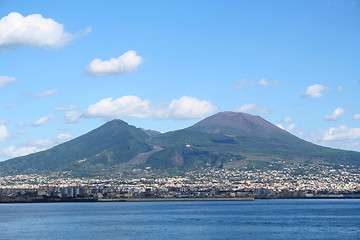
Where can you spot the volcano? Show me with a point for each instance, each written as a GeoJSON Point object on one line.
{"type": "Point", "coordinates": [226, 139]}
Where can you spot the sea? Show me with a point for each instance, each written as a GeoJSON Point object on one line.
{"type": "Point", "coordinates": [259, 219]}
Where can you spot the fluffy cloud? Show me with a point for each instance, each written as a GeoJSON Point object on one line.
{"type": "Point", "coordinates": [314, 91]}
{"type": "Point", "coordinates": [289, 128]}
{"type": "Point", "coordinates": [126, 63]}
{"type": "Point", "coordinates": [72, 117]}
{"type": "Point", "coordinates": [127, 106]}
{"type": "Point", "coordinates": [135, 107]}
{"type": "Point", "coordinates": [253, 108]}
{"type": "Point", "coordinates": [356, 116]}
{"type": "Point", "coordinates": [189, 108]}
{"type": "Point", "coordinates": [11, 152]}
{"type": "Point", "coordinates": [43, 120]}
{"type": "Point", "coordinates": [3, 133]}
{"type": "Point", "coordinates": [338, 113]}
{"type": "Point", "coordinates": [342, 137]}
{"type": "Point", "coordinates": [48, 143]}
{"type": "Point", "coordinates": [32, 31]}
{"type": "Point", "coordinates": [33, 146]}
{"type": "Point", "coordinates": [341, 133]}
{"type": "Point", "coordinates": [5, 80]}
{"type": "Point", "coordinates": [262, 82]}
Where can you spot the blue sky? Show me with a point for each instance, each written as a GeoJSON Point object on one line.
{"type": "Point", "coordinates": [66, 67]}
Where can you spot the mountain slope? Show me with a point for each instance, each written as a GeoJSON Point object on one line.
{"type": "Point", "coordinates": [226, 139]}
{"type": "Point", "coordinates": [229, 136]}
{"type": "Point", "coordinates": [113, 143]}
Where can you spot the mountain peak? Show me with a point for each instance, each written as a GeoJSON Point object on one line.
{"type": "Point", "coordinates": [238, 123]}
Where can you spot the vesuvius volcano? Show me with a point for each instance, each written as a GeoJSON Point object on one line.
{"type": "Point", "coordinates": [224, 140]}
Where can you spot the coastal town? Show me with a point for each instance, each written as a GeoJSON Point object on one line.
{"type": "Point", "coordinates": [296, 181]}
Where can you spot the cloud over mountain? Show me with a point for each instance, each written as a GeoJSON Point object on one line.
{"type": "Point", "coordinates": [253, 108]}
{"type": "Point", "coordinates": [341, 133]}
{"type": "Point", "coordinates": [132, 106]}
{"type": "Point", "coordinates": [3, 133]}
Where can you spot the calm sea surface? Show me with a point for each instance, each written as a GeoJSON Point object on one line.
{"type": "Point", "coordinates": [260, 219]}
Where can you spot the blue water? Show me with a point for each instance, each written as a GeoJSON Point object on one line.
{"type": "Point", "coordinates": [260, 219]}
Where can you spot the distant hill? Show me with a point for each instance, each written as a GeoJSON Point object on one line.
{"type": "Point", "coordinates": [113, 143]}
{"type": "Point", "coordinates": [234, 136]}
{"type": "Point", "coordinates": [224, 140]}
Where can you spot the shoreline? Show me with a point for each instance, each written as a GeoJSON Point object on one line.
{"type": "Point", "coordinates": [105, 200]}
{"type": "Point", "coordinates": [173, 199]}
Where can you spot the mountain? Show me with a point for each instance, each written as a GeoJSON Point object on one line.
{"type": "Point", "coordinates": [234, 137]}
{"type": "Point", "coordinates": [113, 143]}
{"type": "Point", "coordinates": [224, 140]}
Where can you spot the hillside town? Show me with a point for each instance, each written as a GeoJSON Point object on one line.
{"type": "Point", "coordinates": [296, 181]}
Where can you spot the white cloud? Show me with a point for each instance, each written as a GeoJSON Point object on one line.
{"type": "Point", "coordinates": [342, 137]}
{"type": "Point", "coordinates": [126, 63]}
{"type": "Point", "coordinates": [48, 143]}
{"type": "Point", "coordinates": [262, 82]}
{"type": "Point", "coordinates": [265, 82]}
{"type": "Point", "coordinates": [66, 108]}
{"type": "Point", "coordinates": [127, 106]}
{"type": "Point", "coordinates": [11, 152]}
{"type": "Point", "coordinates": [43, 94]}
{"type": "Point", "coordinates": [47, 93]}
{"type": "Point", "coordinates": [190, 108]}
{"type": "Point", "coordinates": [289, 128]}
{"type": "Point", "coordinates": [33, 146]}
{"type": "Point", "coordinates": [356, 116]}
{"type": "Point", "coordinates": [72, 117]}
{"type": "Point", "coordinates": [135, 107]}
{"type": "Point", "coordinates": [32, 31]}
{"type": "Point", "coordinates": [43, 120]}
{"type": "Point", "coordinates": [3, 133]}
{"type": "Point", "coordinates": [338, 113]}
{"type": "Point", "coordinates": [287, 119]}
{"type": "Point", "coordinates": [5, 80]}
{"type": "Point", "coordinates": [253, 108]}
{"type": "Point", "coordinates": [341, 133]}
{"type": "Point", "coordinates": [314, 91]}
